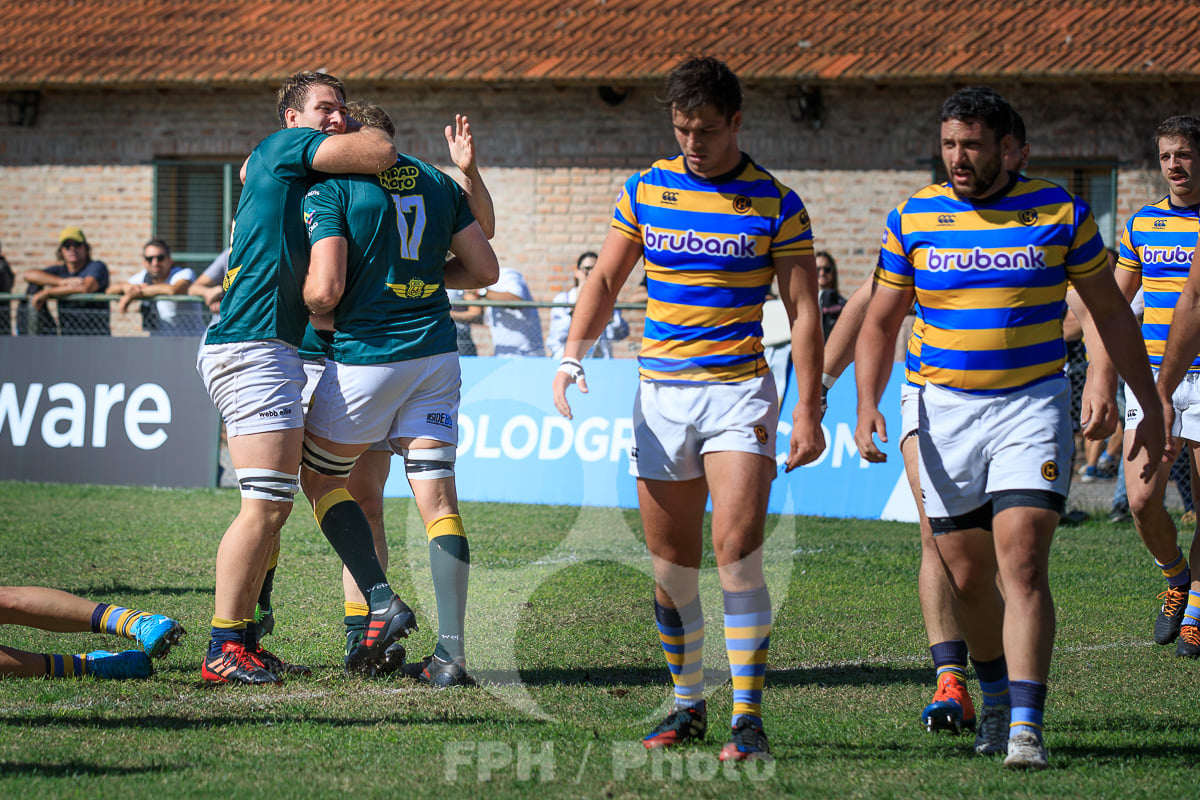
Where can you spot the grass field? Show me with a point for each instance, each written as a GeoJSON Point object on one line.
{"type": "Point", "coordinates": [561, 636]}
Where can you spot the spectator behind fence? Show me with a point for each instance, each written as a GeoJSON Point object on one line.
{"type": "Point", "coordinates": [515, 331]}
{"type": "Point", "coordinates": [75, 273]}
{"type": "Point", "coordinates": [560, 316]}
{"type": "Point", "coordinates": [161, 276]}
{"type": "Point", "coordinates": [6, 285]}
{"type": "Point", "coordinates": [830, 298]}
{"type": "Point", "coordinates": [464, 317]}
{"type": "Point", "coordinates": [211, 284]}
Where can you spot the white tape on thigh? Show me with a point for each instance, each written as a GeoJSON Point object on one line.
{"type": "Point", "coordinates": [267, 484]}
{"type": "Point", "coordinates": [326, 463]}
{"type": "Point", "coordinates": [429, 463]}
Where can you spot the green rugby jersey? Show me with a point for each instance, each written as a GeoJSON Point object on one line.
{"type": "Point", "coordinates": [398, 226]}
{"type": "Point", "coordinates": [269, 255]}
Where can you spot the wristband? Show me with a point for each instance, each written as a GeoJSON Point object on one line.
{"type": "Point", "coordinates": [572, 368]}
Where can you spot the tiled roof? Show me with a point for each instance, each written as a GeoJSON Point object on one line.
{"type": "Point", "coordinates": [138, 43]}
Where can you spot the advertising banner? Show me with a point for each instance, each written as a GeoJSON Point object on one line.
{"type": "Point", "coordinates": [515, 447]}
{"type": "Point", "coordinates": [94, 409]}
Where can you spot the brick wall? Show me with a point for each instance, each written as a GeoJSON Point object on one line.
{"type": "Point", "coordinates": [554, 158]}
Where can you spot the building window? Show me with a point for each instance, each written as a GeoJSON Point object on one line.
{"type": "Point", "coordinates": [194, 203]}
{"type": "Point", "coordinates": [1094, 181]}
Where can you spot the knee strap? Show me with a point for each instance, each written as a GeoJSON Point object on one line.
{"type": "Point", "coordinates": [325, 463]}
{"type": "Point", "coordinates": [429, 463]}
{"type": "Point", "coordinates": [267, 484]}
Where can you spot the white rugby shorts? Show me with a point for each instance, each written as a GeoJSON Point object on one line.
{"type": "Point", "coordinates": [675, 424]}
{"type": "Point", "coordinates": [367, 403]}
{"type": "Point", "coordinates": [910, 398]}
{"type": "Point", "coordinates": [1185, 399]}
{"type": "Point", "coordinates": [973, 446]}
{"type": "Point", "coordinates": [255, 386]}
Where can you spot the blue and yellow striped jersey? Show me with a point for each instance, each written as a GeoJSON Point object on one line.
{"type": "Point", "coordinates": [991, 279]}
{"type": "Point", "coordinates": [709, 248]}
{"type": "Point", "coordinates": [1157, 243]}
{"type": "Point", "coordinates": [912, 352]}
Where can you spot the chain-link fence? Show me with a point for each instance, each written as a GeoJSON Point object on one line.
{"type": "Point", "coordinates": [491, 330]}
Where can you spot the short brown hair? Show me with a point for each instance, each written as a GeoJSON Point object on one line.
{"type": "Point", "coordinates": [371, 116]}
{"type": "Point", "coordinates": [293, 93]}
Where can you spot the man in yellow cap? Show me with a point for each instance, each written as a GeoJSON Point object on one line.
{"type": "Point", "coordinates": [75, 273]}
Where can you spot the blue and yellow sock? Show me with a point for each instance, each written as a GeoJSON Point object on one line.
{"type": "Point", "coordinates": [1191, 615]}
{"type": "Point", "coordinates": [681, 633]}
{"type": "Point", "coordinates": [116, 620]}
{"type": "Point", "coordinates": [1028, 705]}
{"type": "Point", "coordinates": [747, 639]}
{"type": "Point", "coordinates": [225, 630]}
{"type": "Point", "coordinates": [1176, 571]}
{"type": "Point", "coordinates": [950, 656]}
{"type": "Point", "coordinates": [450, 565]}
{"type": "Point", "coordinates": [993, 681]}
{"type": "Point", "coordinates": [65, 666]}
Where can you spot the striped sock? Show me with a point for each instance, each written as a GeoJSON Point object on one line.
{"type": "Point", "coordinates": [993, 681]}
{"type": "Point", "coordinates": [1191, 615]}
{"type": "Point", "coordinates": [747, 638]}
{"type": "Point", "coordinates": [1176, 571]}
{"type": "Point", "coordinates": [681, 633]}
{"type": "Point", "coordinates": [115, 620]}
{"type": "Point", "coordinates": [450, 565]}
{"type": "Point", "coordinates": [65, 666]}
{"type": "Point", "coordinates": [950, 656]}
{"type": "Point", "coordinates": [1028, 705]}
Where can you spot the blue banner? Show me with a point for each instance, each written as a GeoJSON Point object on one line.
{"type": "Point", "coordinates": [514, 447]}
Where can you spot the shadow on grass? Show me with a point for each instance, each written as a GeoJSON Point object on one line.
{"type": "Point", "coordinates": [167, 722]}
{"type": "Point", "coordinates": [850, 675]}
{"type": "Point", "coordinates": [71, 769]}
{"type": "Point", "coordinates": [116, 592]}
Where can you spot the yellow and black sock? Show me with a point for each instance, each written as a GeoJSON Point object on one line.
{"type": "Point", "coordinates": [450, 565]}
{"type": "Point", "coordinates": [346, 527]}
{"type": "Point", "coordinates": [356, 624]}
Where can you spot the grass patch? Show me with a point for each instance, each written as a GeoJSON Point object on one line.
{"type": "Point", "coordinates": [560, 632]}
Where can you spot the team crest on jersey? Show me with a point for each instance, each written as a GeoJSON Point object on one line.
{"type": "Point", "coordinates": [1160, 224]}
{"type": "Point", "coordinates": [1050, 471]}
{"type": "Point", "coordinates": [415, 289]}
{"type": "Point", "coordinates": [804, 220]}
{"type": "Point", "coordinates": [399, 179]}
{"type": "Point", "coordinates": [1027, 217]}
{"type": "Point", "coordinates": [945, 219]}
{"type": "Point", "coordinates": [760, 433]}
{"type": "Point", "coordinates": [670, 197]}
{"type": "Point", "coordinates": [227, 281]}
{"type": "Point", "coordinates": [741, 204]}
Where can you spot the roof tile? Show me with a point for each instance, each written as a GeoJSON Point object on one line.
{"type": "Point", "coordinates": [137, 43]}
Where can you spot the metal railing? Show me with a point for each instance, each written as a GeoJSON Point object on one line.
{"type": "Point", "coordinates": [94, 315]}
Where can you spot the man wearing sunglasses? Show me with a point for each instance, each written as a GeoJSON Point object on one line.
{"type": "Point", "coordinates": [75, 273]}
{"type": "Point", "coordinates": [162, 276]}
